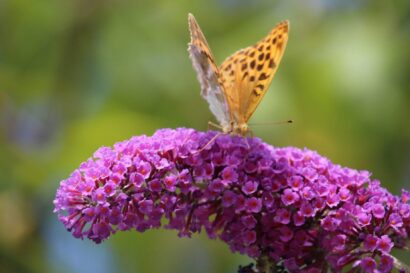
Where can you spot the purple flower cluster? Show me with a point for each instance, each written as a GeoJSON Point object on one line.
{"type": "Point", "coordinates": [288, 205]}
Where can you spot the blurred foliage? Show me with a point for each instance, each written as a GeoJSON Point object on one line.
{"type": "Point", "coordinates": [76, 75]}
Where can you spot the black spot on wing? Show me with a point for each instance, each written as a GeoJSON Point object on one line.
{"type": "Point", "coordinates": [272, 63]}
{"type": "Point", "coordinates": [258, 90]}
{"type": "Point", "coordinates": [252, 64]}
{"type": "Point", "coordinates": [262, 77]}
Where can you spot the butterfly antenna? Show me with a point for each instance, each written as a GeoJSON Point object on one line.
{"type": "Point", "coordinates": [289, 121]}
{"type": "Point", "coordinates": [209, 143]}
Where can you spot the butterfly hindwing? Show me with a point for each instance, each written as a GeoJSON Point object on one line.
{"type": "Point", "coordinates": [248, 73]}
{"type": "Point", "coordinates": [203, 61]}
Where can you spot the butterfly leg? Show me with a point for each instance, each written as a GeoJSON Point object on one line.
{"type": "Point", "coordinates": [246, 136]}
{"type": "Point", "coordinates": [247, 142]}
{"type": "Point", "coordinates": [213, 125]}
{"type": "Point", "coordinates": [209, 143]}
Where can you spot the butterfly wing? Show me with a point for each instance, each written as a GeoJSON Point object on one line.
{"type": "Point", "coordinates": [248, 73]}
{"type": "Point", "coordinates": [208, 73]}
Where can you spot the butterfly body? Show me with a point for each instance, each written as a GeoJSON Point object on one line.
{"type": "Point", "coordinates": [234, 89]}
{"type": "Point", "coordinates": [236, 128]}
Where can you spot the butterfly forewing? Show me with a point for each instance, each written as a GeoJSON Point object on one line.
{"type": "Point", "coordinates": [212, 88]}
{"type": "Point", "coordinates": [247, 74]}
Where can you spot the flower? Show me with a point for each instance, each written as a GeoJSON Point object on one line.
{"type": "Point", "coordinates": [385, 244]}
{"type": "Point", "coordinates": [370, 243]}
{"type": "Point", "coordinates": [386, 263]}
{"type": "Point", "coordinates": [250, 187]}
{"type": "Point", "coordinates": [293, 206]}
{"type": "Point", "coordinates": [368, 264]}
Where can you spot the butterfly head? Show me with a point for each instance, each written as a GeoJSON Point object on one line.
{"type": "Point", "coordinates": [241, 129]}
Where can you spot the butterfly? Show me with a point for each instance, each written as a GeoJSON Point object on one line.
{"type": "Point", "coordinates": [236, 87]}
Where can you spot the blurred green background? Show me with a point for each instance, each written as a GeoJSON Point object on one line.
{"type": "Point", "coordinates": [75, 75]}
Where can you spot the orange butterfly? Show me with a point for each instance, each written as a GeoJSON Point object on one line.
{"type": "Point", "coordinates": [235, 89]}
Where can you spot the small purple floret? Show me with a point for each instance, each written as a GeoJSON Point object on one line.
{"type": "Point", "coordinates": [290, 205]}
{"type": "Point", "coordinates": [368, 265]}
